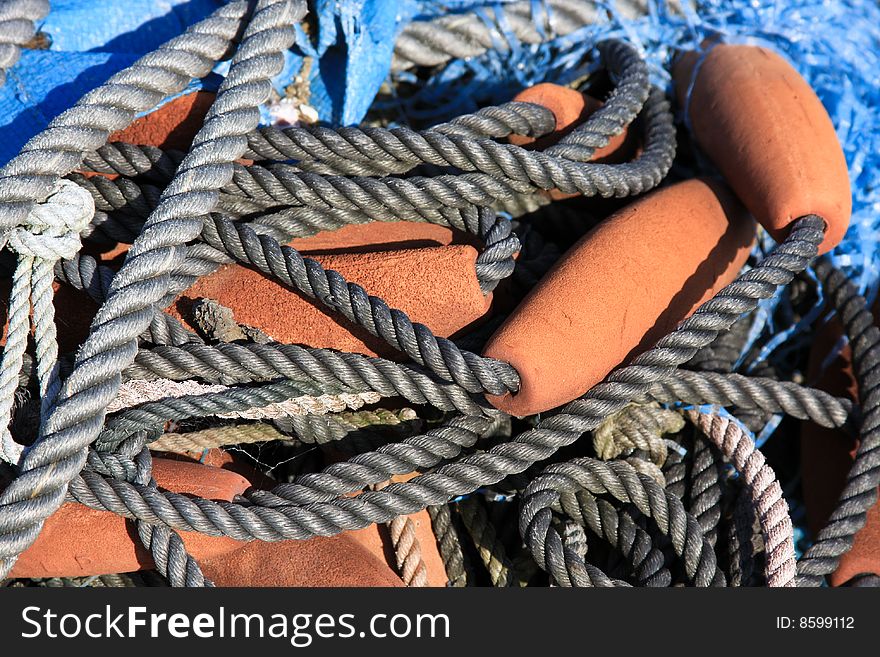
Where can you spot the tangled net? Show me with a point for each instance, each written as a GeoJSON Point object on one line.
{"type": "Point", "coordinates": [652, 478]}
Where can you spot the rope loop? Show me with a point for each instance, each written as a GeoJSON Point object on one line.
{"type": "Point", "coordinates": [52, 228]}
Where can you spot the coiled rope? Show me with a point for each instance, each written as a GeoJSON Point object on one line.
{"type": "Point", "coordinates": [628, 506]}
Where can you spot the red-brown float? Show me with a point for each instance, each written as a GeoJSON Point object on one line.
{"type": "Point", "coordinates": [623, 286]}
{"type": "Point", "coordinates": [767, 132]}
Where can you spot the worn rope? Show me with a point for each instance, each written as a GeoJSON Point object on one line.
{"type": "Point", "coordinates": [491, 550]}
{"type": "Point", "coordinates": [430, 43]}
{"type": "Point", "coordinates": [449, 545]}
{"type": "Point", "coordinates": [408, 552]}
{"type": "Point", "coordinates": [60, 452]}
{"type": "Point", "coordinates": [620, 480]}
{"type": "Point", "coordinates": [50, 233]}
{"type": "Point", "coordinates": [770, 506]}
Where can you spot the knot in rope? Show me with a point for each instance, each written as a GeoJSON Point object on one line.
{"type": "Point", "coordinates": [52, 229]}
{"type": "Point", "coordinates": [637, 427]}
{"type": "Point", "coordinates": [50, 233]}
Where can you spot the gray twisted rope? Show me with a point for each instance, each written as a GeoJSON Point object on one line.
{"type": "Point", "coordinates": [51, 233]}
{"type": "Point", "coordinates": [151, 417]}
{"type": "Point", "coordinates": [619, 529]}
{"type": "Point", "coordinates": [169, 554]}
{"type": "Point", "coordinates": [744, 541]}
{"type": "Point", "coordinates": [768, 395]}
{"type": "Point", "coordinates": [493, 264]}
{"type": "Point", "coordinates": [705, 489]}
{"type": "Point", "coordinates": [60, 451]}
{"type": "Point", "coordinates": [576, 571]}
{"type": "Point", "coordinates": [429, 43]}
{"type": "Point", "coordinates": [449, 545]}
{"type": "Point", "coordinates": [249, 362]}
{"type": "Point", "coordinates": [860, 492]}
{"type": "Point", "coordinates": [620, 480]}
{"type": "Point", "coordinates": [244, 363]}
{"type": "Point", "coordinates": [421, 198]}
{"type": "Point", "coordinates": [441, 356]}
{"type": "Point", "coordinates": [172, 560]}
{"type": "Point", "coordinates": [378, 151]}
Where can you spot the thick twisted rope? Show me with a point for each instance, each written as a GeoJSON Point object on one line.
{"type": "Point", "coordinates": [768, 395]}
{"type": "Point", "coordinates": [618, 528]}
{"type": "Point", "coordinates": [426, 198]}
{"type": "Point", "coordinates": [408, 552]}
{"type": "Point", "coordinates": [493, 264]}
{"type": "Point", "coordinates": [430, 43]}
{"type": "Point", "coordinates": [744, 540]}
{"type": "Point", "coordinates": [441, 356]}
{"type": "Point", "coordinates": [51, 232]}
{"type": "Point", "coordinates": [449, 545]}
{"type": "Point", "coordinates": [506, 169]}
{"type": "Point", "coordinates": [60, 450]}
{"type": "Point", "coordinates": [172, 560]}
{"type": "Point", "coordinates": [705, 489]}
{"type": "Point", "coordinates": [169, 554]}
{"type": "Point", "coordinates": [244, 363]}
{"type": "Point", "coordinates": [400, 149]}
{"type": "Point", "coordinates": [620, 480]}
{"type": "Point", "coordinates": [230, 363]}
{"type": "Point", "coordinates": [490, 548]}
{"type": "Point", "coordinates": [770, 506]}
{"type": "Point", "coordinates": [374, 151]}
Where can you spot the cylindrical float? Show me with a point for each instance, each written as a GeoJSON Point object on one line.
{"type": "Point", "coordinates": [571, 108]}
{"type": "Point", "coordinates": [765, 129]}
{"type": "Point", "coordinates": [623, 286]}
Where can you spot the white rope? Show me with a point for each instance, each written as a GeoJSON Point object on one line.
{"type": "Point", "coordinates": [766, 492]}
{"type": "Point", "coordinates": [51, 232]}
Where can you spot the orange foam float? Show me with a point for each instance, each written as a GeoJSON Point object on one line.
{"type": "Point", "coordinates": [623, 286]}
{"type": "Point", "coordinates": [765, 129]}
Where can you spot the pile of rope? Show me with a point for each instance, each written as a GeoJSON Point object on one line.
{"type": "Point", "coordinates": [651, 478]}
